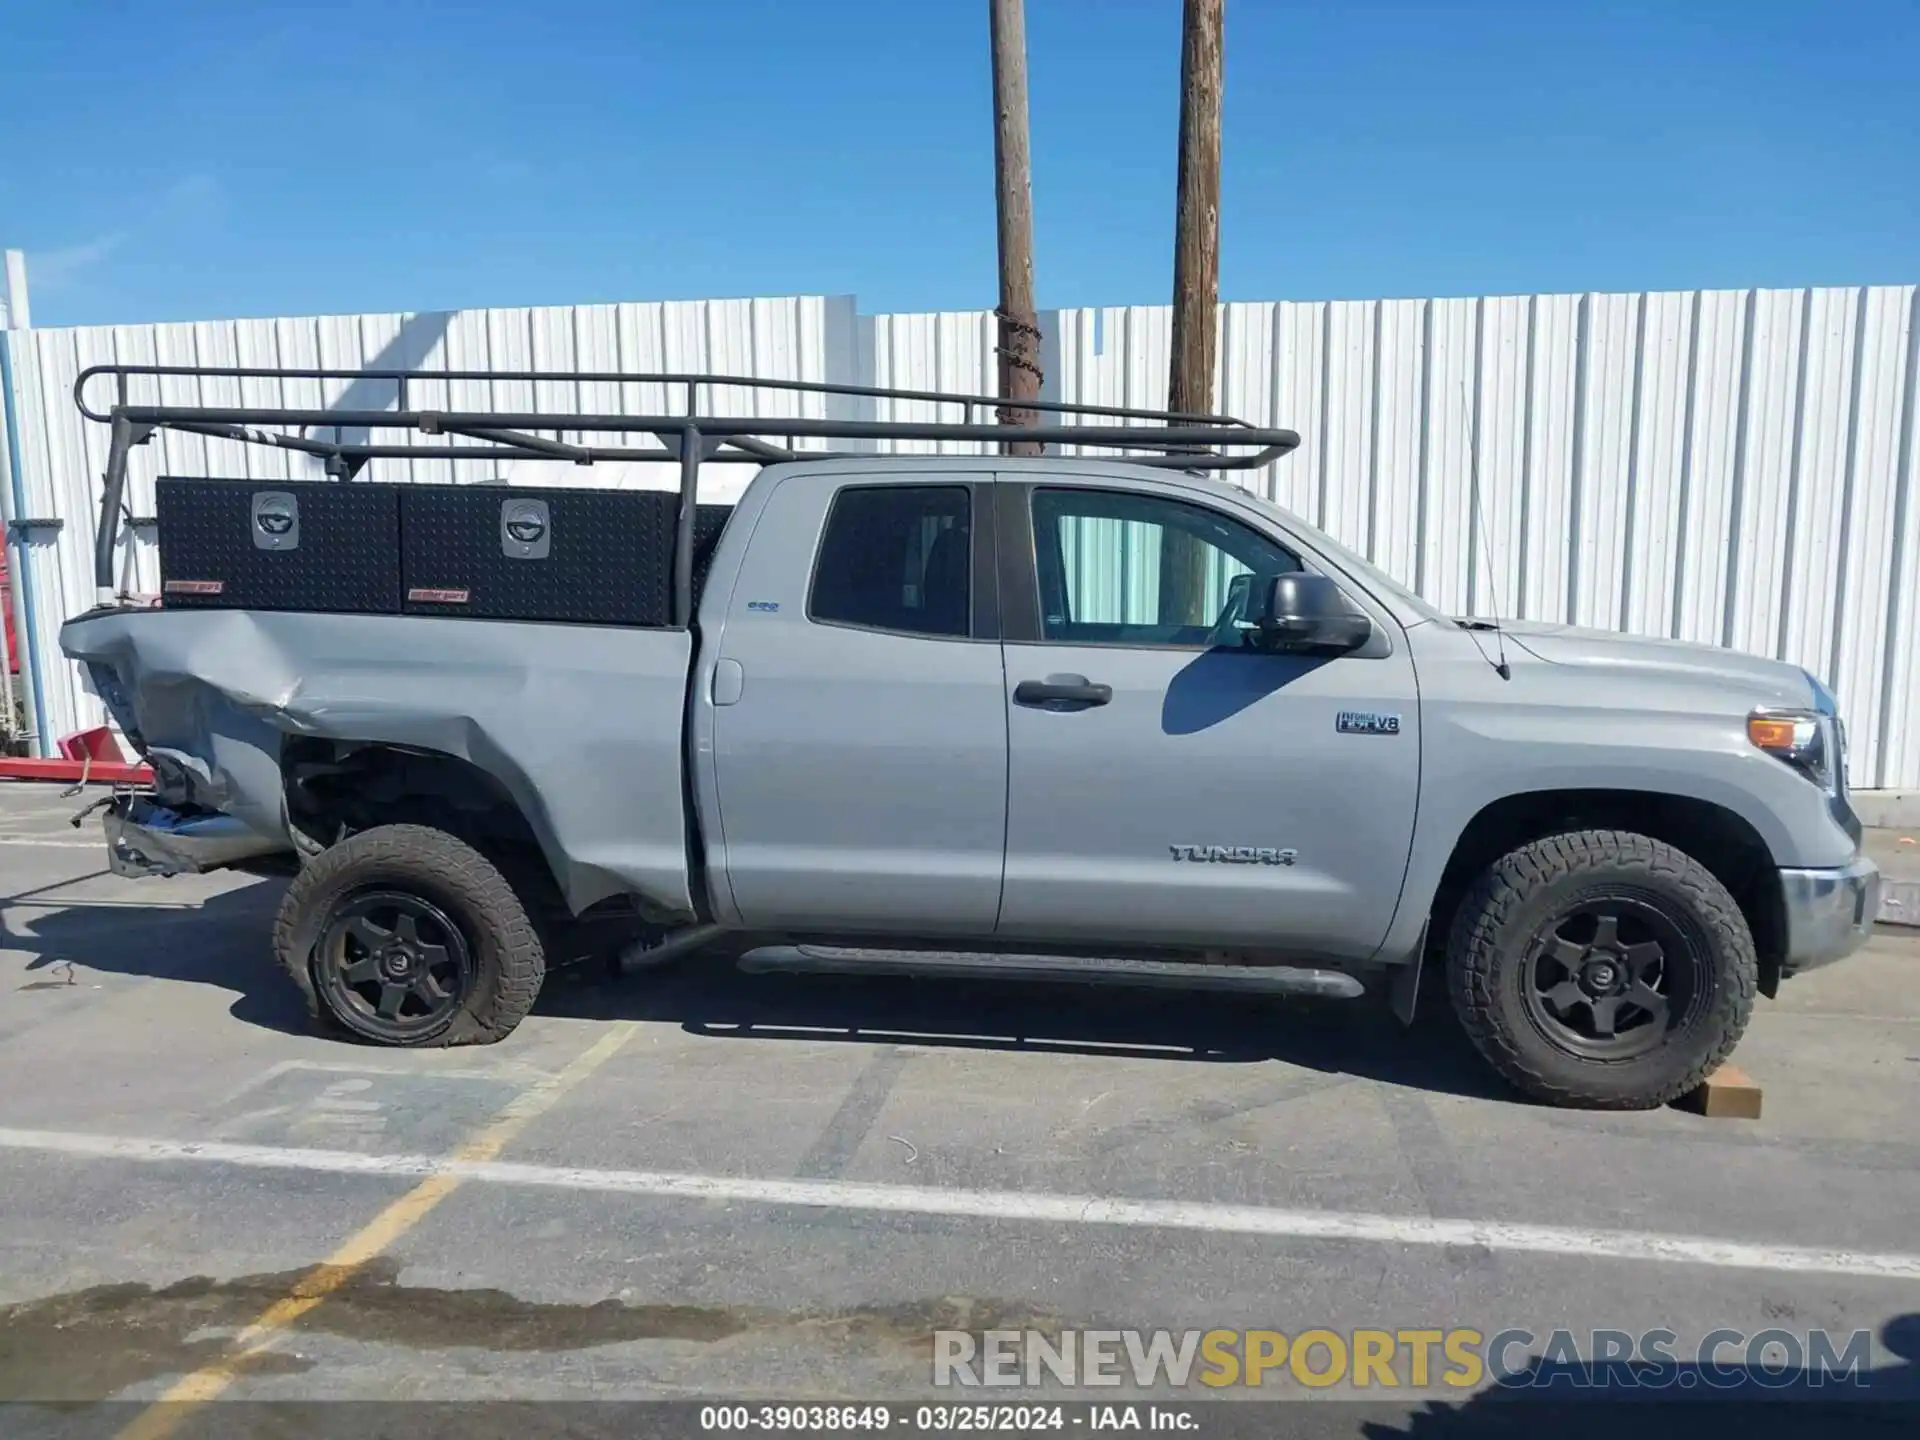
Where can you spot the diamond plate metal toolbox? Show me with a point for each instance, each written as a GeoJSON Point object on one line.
{"type": "Point", "coordinates": [593, 557]}
{"type": "Point", "coordinates": [278, 545]}
{"type": "Point", "coordinates": [708, 522]}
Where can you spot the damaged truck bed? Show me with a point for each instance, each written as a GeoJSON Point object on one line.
{"type": "Point", "coordinates": [259, 715]}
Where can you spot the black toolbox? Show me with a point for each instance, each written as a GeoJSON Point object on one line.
{"type": "Point", "coordinates": [278, 544]}
{"type": "Point", "coordinates": [593, 557]}
{"type": "Point", "coordinates": [708, 522]}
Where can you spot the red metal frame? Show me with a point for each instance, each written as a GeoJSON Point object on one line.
{"type": "Point", "coordinates": [87, 756]}
{"type": "Point", "coordinates": [92, 772]}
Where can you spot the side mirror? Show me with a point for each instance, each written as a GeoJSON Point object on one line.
{"type": "Point", "coordinates": [1296, 611]}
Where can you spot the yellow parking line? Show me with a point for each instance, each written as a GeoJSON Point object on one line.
{"type": "Point", "coordinates": [165, 1415]}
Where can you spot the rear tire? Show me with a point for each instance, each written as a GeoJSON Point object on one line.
{"type": "Point", "coordinates": [405, 935]}
{"type": "Point", "coordinates": [1603, 969]}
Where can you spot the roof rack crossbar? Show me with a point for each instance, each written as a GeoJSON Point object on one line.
{"type": "Point", "coordinates": [514, 439]}
{"type": "Point", "coordinates": [1180, 436]}
{"type": "Point", "coordinates": [403, 378]}
{"type": "Point", "coordinates": [760, 449]}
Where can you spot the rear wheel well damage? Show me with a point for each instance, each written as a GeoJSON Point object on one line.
{"type": "Point", "coordinates": [1722, 841]}
{"type": "Point", "coordinates": [336, 789]}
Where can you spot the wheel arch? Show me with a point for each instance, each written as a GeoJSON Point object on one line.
{"type": "Point", "coordinates": [335, 789]}
{"type": "Point", "coordinates": [1722, 840]}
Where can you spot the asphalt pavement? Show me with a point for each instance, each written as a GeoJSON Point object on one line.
{"type": "Point", "coordinates": [706, 1184]}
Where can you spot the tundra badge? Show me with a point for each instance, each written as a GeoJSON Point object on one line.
{"type": "Point", "coordinates": [1235, 854]}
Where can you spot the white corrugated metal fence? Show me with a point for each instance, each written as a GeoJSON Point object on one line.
{"type": "Point", "coordinates": [1735, 467]}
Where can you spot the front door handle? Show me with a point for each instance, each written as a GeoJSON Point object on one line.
{"type": "Point", "coordinates": [1069, 689]}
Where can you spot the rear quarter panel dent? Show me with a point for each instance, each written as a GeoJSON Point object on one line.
{"type": "Point", "coordinates": [581, 725]}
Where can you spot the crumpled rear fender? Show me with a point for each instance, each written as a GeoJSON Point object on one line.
{"type": "Point", "coordinates": [580, 725]}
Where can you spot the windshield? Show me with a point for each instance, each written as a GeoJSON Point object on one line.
{"type": "Point", "coordinates": [1373, 574]}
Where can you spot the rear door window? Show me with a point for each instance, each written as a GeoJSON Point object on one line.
{"type": "Point", "coordinates": [897, 557]}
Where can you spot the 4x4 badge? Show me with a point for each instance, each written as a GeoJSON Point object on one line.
{"type": "Point", "coordinates": [1366, 722]}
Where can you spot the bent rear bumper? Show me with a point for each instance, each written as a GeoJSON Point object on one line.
{"type": "Point", "coordinates": [146, 838]}
{"type": "Point", "coordinates": [1829, 913]}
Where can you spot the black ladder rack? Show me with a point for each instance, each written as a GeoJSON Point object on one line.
{"type": "Point", "coordinates": [690, 437]}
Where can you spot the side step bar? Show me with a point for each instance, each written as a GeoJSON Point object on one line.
{"type": "Point", "coordinates": [1173, 974]}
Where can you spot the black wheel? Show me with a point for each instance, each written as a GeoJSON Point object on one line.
{"type": "Point", "coordinates": [1602, 968]}
{"type": "Point", "coordinates": [405, 935]}
{"type": "Point", "coordinates": [395, 962]}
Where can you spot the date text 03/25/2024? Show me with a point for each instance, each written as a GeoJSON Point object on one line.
{"type": "Point", "coordinates": [944, 1419]}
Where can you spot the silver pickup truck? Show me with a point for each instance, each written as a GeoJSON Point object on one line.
{"type": "Point", "coordinates": [1049, 717]}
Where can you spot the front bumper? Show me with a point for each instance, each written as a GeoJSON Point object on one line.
{"type": "Point", "coordinates": [1829, 913]}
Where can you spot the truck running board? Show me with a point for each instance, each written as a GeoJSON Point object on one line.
{"type": "Point", "coordinates": [1100, 970]}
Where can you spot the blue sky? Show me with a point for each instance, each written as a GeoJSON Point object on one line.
{"type": "Point", "coordinates": [209, 158]}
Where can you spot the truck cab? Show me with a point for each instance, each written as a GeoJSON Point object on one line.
{"type": "Point", "coordinates": [1017, 702]}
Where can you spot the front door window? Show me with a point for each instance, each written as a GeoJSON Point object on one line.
{"type": "Point", "coordinates": [1129, 569]}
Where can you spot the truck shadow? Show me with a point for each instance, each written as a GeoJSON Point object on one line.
{"type": "Point", "coordinates": [1222, 682]}
{"type": "Point", "coordinates": [220, 942]}
{"type": "Point", "coordinates": [223, 943]}
{"type": "Point", "coordinates": [1346, 1038]}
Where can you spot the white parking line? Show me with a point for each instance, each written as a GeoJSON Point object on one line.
{"type": "Point", "coordinates": [1400, 1230]}
{"type": "Point", "coordinates": [53, 842]}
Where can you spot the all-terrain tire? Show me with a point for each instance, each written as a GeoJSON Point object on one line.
{"type": "Point", "coordinates": [508, 961]}
{"type": "Point", "coordinates": [1491, 960]}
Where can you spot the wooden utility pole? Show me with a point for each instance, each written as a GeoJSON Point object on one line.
{"type": "Point", "coordinates": [1196, 223]}
{"type": "Point", "coordinates": [1019, 345]}
{"type": "Point", "coordinates": [1196, 276]}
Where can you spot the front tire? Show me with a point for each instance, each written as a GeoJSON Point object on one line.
{"type": "Point", "coordinates": [1602, 968]}
{"type": "Point", "coordinates": [405, 935]}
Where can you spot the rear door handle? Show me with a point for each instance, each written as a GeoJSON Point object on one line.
{"type": "Point", "coordinates": [1071, 689]}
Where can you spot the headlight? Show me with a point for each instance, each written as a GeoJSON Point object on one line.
{"type": "Point", "coordinates": [1825, 703]}
{"type": "Point", "coordinates": [1806, 739]}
